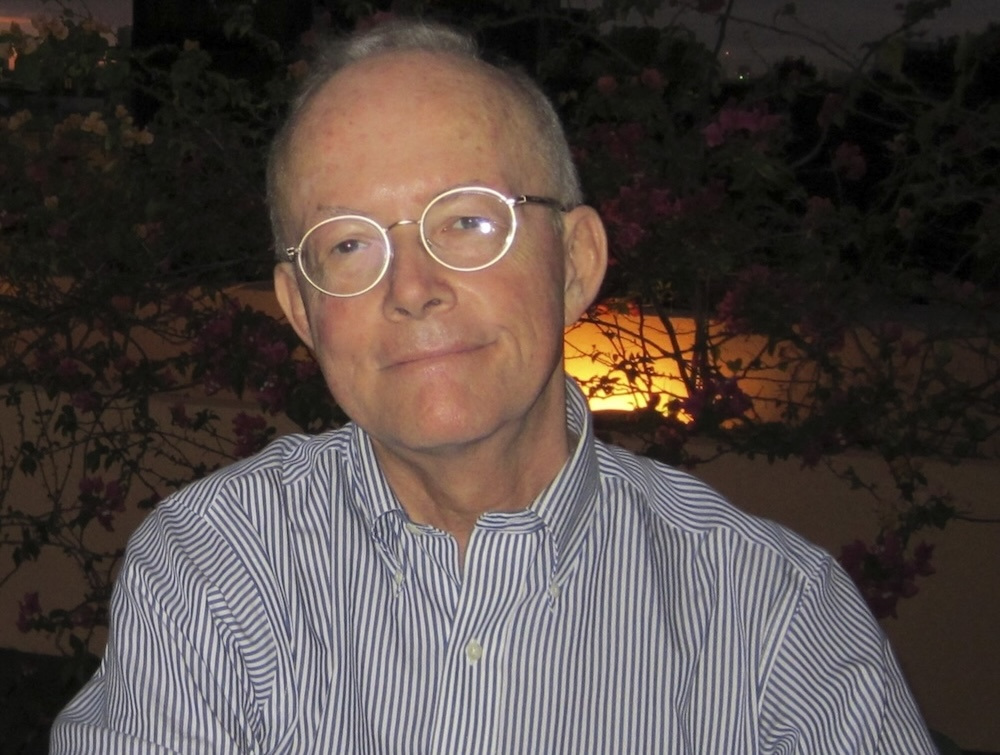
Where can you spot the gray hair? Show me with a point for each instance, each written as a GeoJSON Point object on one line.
{"type": "Point", "coordinates": [410, 35]}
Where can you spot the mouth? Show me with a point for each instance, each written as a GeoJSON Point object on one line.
{"type": "Point", "coordinates": [427, 356]}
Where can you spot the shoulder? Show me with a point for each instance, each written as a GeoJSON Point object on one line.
{"type": "Point", "coordinates": [283, 462]}
{"type": "Point", "coordinates": [245, 494]}
{"type": "Point", "coordinates": [229, 535]}
{"type": "Point", "coordinates": [684, 509]}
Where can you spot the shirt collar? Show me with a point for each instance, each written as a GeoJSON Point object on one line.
{"type": "Point", "coordinates": [564, 506]}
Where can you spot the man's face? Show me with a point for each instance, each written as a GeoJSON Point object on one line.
{"type": "Point", "coordinates": [430, 360]}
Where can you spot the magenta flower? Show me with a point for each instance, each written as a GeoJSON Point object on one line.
{"type": "Point", "coordinates": [102, 500]}
{"type": "Point", "coordinates": [29, 609]}
{"type": "Point", "coordinates": [86, 401]}
{"type": "Point", "coordinates": [744, 121]}
{"type": "Point", "coordinates": [883, 572]}
{"type": "Point", "coordinates": [607, 85]}
{"type": "Point", "coordinates": [849, 161]}
{"type": "Point", "coordinates": [252, 434]}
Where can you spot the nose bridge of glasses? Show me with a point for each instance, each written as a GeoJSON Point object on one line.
{"type": "Point", "coordinates": [405, 221]}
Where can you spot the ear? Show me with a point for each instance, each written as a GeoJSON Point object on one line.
{"type": "Point", "coordinates": [586, 246]}
{"type": "Point", "coordinates": [286, 288]}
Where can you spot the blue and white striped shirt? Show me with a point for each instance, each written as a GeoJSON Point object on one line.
{"type": "Point", "coordinates": [287, 605]}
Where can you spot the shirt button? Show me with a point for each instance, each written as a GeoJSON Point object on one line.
{"type": "Point", "coordinates": [473, 651]}
{"type": "Point", "coordinates": [412, 528]}
{"type": "Point", "coordinates": [398, 577]}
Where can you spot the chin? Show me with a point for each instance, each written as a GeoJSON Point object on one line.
{"type": "Point", "coordinates": [449, 426]}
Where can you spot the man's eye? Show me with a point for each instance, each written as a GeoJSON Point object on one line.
{"type": "Point", "coordinates": [348, 246]}
{"type": "Point", "coordinates": [352, 246]}
{"type": "Point", "coordinates": [483, 225]}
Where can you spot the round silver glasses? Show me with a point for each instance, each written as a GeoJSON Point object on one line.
{"type": "Point", "coordinates": [464, 229]}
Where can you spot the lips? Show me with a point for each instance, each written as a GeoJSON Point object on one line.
{"type": "Point", "coordinates": [428, 353]}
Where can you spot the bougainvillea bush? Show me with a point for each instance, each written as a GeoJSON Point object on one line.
{"type": "Point", "coordinates": [844, 232]}
{"type": "Point", "coordinates": [130, 197]}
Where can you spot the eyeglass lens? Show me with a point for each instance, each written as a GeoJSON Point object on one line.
{"type": "Point", "coordinates": [465, 230]}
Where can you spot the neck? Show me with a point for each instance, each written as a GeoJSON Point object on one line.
{"type": "Point", "coordinates": [452, 488]}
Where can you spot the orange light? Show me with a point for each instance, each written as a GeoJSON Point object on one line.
{"type": "Point", "coordinates": [627, 359]}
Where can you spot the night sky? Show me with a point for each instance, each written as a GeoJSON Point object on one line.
{"type": "Point", "coordinates": [846, 24]}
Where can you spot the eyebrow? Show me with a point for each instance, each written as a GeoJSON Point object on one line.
{"type": "Point", "coordinates": [334, 210]}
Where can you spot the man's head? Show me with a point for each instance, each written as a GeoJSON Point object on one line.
{"type": "Point", "coordinates": [516, 92]}
{"type": "Point", "coordinates": [431, 358]}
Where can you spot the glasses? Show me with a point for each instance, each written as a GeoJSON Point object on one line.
{"type": "Point", "coordinates": [464, 229]}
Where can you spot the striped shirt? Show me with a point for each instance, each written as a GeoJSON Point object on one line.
{"type": "Point", "coordinates": [288, 605]}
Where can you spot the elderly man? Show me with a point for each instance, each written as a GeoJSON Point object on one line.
{"type": "Point", "coordinates": [464, 568]}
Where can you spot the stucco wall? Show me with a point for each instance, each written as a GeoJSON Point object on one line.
{"type": "Point", "coordinates": [946, 636]}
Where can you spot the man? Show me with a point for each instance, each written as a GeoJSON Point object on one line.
{"type": "Point", "coordinates": [464, 568]}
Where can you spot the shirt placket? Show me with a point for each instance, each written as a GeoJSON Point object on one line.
{"type": "Point", "coordinates": [474, 674]}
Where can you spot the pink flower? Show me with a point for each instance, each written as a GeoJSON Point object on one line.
{"type": "Point", "coordinates": [114, 493]}
{"type": "Point", "coordinates": [68, 368]}
{"type": "Point", "coordinates": [273, 354]}
{"type": "Point", "coordinates": [818, 210]}
{"type": "Point", "coordinates": [90, 485]}
{"type": "Point", "coordinates": [306, 370]}
{"type": "Point", "coordinates": [85, 617]}
{"type": "Point", "coordinates": [86, 401]}
{"type": "Point", "coordinates": [124, 365]}
{"type": "Point", "coordinates": [102, 500]}
{"type": "Point", "coordinates": [9, 219]}
{"type": "Point", "coordinates": [252, 433]}
{"type": "Point", "coordinates": [29, 609]}
{"type": "Point", "coordinates": [849, 161]}
{"type": "Point", "coordinates": [731, 120]}
{"type": "Point", "coordinates": [717, 397]}
{"type": "Point", "coordinates": [619, 142]}
{"type": "Point", "coordinates": [715, 134]}
{"type": "Point", "coordinates": [883, 572]}
{"type": "Point", "coordinates": [663, 204]}
{"type": "Point", "coordinates": [272, 396]}
{"type": "Point", "coordinates": [652, 79]}
{"type": "Point", "coordinates": [922, 559]}
{"type": "Point", "coordinates": [181, 305]}
{"type": "Point", "coordinates": [179, 416]}
{"type": "Point", "coordinates": [607, 85]}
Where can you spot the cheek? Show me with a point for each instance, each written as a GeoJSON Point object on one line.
{"type": "Point", "coordinates": [336, 332]}
{"type": "Point", "coordinates": [538, 289]}
{"type": "Point", "coordinates": [532, 306]}
{"type": "Point", "coordinates": [339, 348]}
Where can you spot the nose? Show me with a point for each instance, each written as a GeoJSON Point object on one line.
{"type": "Point", "coordinates": [417, 285]}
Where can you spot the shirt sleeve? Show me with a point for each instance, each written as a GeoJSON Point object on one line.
{"type": "Point", "coordinates": [179, 672]}
{"type": "Point", "coordinates": [835, 684]}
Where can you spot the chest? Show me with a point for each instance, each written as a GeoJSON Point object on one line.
{"type": "Point", "coordinates": [519, 648]}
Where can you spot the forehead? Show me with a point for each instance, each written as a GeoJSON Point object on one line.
{"type": "Point", "coordinates": [406, 106]}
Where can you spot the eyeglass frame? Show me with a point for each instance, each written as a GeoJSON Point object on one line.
{"type": "Point", "coordinates": [294, 253]}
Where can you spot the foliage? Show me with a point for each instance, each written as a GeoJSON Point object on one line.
{"type": "Point", "coordinates": [117, 235]}
{"type": "Point", "coordinates": [843, 234]}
